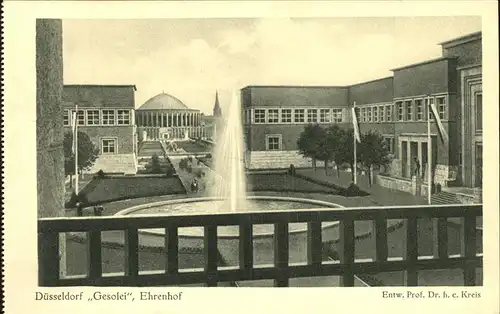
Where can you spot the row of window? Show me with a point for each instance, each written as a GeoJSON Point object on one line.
{"type": "Point", "coordinates": [98, 117]}
{"type": "Point", "coordinates": [274, 142]}
{"type": "Point", "coordinates": [324, 115]}
{"type": "Point", "coordinates": [406, 110]}
{"type": "Point", "coordinates": [401, 110]}
{"type": "Point", "coordinates": [415, 109]}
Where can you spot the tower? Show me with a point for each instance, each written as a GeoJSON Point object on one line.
{"type": "Point", "coordinates": [217, 111]}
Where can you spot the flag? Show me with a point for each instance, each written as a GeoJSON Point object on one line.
{"type": "Point", "coordinates": [355, 123]}
{"type": "Point", "coordinates": [73, 121]}
{"type": "Point", "coordinates": [441, 129]}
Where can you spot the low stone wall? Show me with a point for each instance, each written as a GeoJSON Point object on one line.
{"type": "Point", "coordinates": [468, 199]}
{"type": "Point", "coordinates": [394, 183]}
{"type": "Point", "coordinates": [442, 173]}
{"type": "Point", "coordinates": [278, 160]}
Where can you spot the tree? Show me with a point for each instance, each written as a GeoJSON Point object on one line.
{"type": "Point", "coordinates": [310, 141]}
{"type": "Point", "coordinates": [345, 150]}
{"type": "Point", "coordinates": [87, 154]}
{"type": "Point", "coordinates": [332, 149]}
{"type": "Point", "coordinates": [373, 152]}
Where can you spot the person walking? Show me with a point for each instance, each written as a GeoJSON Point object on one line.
{"type": "Point", "coordinates": [417, 166]}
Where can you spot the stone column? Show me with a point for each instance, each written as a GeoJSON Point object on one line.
{"type": "Point", "coordinates": [408, 158]}
{"type": "Point", "coordinates": [420, 155]}
{"type": "Point", "coordinates": [49, 126]}
{"type": "Point", "coordinates": [50, 156]}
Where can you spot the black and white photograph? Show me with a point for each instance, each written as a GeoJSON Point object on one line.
{"type": "Point", "coordinates": [260, 152]}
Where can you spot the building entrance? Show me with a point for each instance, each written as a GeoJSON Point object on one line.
{"type": "Point", "coordinates": [478, 179]}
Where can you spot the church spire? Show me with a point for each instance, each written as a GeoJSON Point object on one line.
{"type": "Point", "coordinates": [217, 110]}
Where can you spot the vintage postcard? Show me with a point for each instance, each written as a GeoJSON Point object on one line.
{"type": "Point", "coordinates": [155, 148]}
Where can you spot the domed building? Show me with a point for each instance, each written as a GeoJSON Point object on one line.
{"type": "Point", "coordinates": [166, 117]}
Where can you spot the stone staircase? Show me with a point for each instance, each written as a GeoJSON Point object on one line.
{"type": "Point", "coordinates": [117, 163]}
{"type": "Point", "coordinates": [444, 198]}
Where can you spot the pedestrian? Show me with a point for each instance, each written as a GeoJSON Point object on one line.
{"type": "Point", "coordinates": [417, 166]}
{"type": "Point", "coordinates": [79, 209]}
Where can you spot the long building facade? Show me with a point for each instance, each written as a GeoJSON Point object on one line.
{"type": "Point", "coordinates": [395, 106]}
{"type": "Point", "coordinates": [106, 113]}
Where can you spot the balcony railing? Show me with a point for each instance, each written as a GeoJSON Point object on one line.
{"type": "Point", "coordinates": [49, 230]}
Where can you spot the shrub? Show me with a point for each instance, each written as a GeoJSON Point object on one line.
{"type": "Point", "coordinates": [100, 174]}
{"type": "Point", "coordinates": [183, 164]}
{"type": "Point", "coordinates": [189, 169]}
{"type": "Point", "coordinates": [208, 155]}
{"type": "Point", "coordinates": [190, 158]}
{"type": "Point", "coordinates": [170, 172]}
{"type": "Point", "coordinates": [353, 190]}
{"type": "Point", "coordinates": [81, 197]}
{"type": "Point", "coordinates": [155, 164]}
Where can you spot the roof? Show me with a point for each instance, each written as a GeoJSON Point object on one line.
{"type": "Point", "coordinates": [112, 96]}
{"type": "Point", "coordinates": [163, 101]}
{"type": "Point", "coordinates": [461, 40]}
{"type": "Point", "coordinates": [294, 86]}
{"type": "Point", "coordinates": [294, 96]}
{"type": "Point", "coordinates": [102, 85]}
{"type": "Point", "coordinates": [423, 62]}
{"type": "Point", "coordinates": [373, 81]}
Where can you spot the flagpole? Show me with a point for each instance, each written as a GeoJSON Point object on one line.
{"type": "Point", "coordinates": [355, 153]}
{"type": "Point", "coordinates": [76, 149]}
{"type": "Point", "coordinates": [429, 153]}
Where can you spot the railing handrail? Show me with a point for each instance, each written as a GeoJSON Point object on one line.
{"type": "Point", "coordinates": [103, 223]}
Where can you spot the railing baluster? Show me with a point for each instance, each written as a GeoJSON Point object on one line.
{"type": "Point", "coordinates": [411, 251]}
{"type": "Point", "coordinates": [381, 247]}
{"type": "Point", "coordinates": [172, 250]}
{"type": "Point", "coordinates": [314, 244]}
{"type": "Point", "coordinates": [94, 255]}
{"type": "Point", "coordinates": [441, 238]}
{"type": "Point", "coordinates": [211, 254]}
{"type": "Point", "coordinates": [281, 254]}
{"type": "Point", "coordinates": [346, 250]}
{"type": "Point", "coordinates": [246, 248]}
{"type": "Point", "coordinates": [48, 259]}
{"type": "Point", "coordinates": [470, 248]}
{"type": "Point", "coordinates": [132, 252]}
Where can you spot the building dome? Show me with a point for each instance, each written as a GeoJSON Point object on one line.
{"type": "Point", "coordinates": [163, 102]}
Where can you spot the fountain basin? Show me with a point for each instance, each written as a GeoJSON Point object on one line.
{"type": "Point", "coordinates": [212, 205]}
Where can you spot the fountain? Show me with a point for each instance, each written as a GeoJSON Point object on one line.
{"type": "Point", "coordinates": [229, 169]}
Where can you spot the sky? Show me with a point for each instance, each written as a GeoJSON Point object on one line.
{"type": "Point", "coordinates": [192, 58]}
